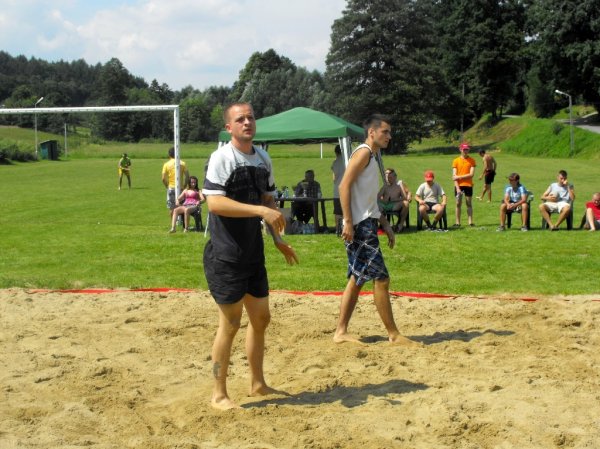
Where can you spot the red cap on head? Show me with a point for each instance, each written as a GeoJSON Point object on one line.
{"type": "Point", "coordinates": [429, 175]}
{"type": "Point", "coordinates": [464, 146]}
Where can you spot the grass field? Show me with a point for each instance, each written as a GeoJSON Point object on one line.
{"type": "Point", "coordinates": [64, 224]}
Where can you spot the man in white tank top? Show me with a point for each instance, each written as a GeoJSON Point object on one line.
{"type": "Point", "coordinates": [361, 215]}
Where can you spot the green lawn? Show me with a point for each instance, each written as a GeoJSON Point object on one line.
{"type": "Point", "coordinates": [64, 224]}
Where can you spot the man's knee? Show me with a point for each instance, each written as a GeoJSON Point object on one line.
{"type": "Point", "coordinates": [382, 283]}
{"type": "Point", "coordinates": [260, 320]}
{"type": "Point", "coordinates": [230, 327]}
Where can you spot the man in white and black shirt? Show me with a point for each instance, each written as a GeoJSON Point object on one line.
{"type": "Point", "coordinates": [239, 190]}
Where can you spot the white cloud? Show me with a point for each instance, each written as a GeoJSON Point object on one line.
{"type": "Point", "coordinates": [178, 42]}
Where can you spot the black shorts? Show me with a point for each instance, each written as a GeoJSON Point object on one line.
{"type": "Point", "coordinates": [489, 176]}
{"type": "Point", "coordinates": [468, 191]}
{"type": "Point", "coordinates": [430, 206]}
{"type": "Point", "coordinates": [229, 282]}
{"type": "Point", "coordinates": [337, 207]}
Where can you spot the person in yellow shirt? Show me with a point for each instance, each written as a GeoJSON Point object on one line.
{"type": "Point", "coordinates": [124, 168]}
{"type": "Point", "coordinates": [168, 180]}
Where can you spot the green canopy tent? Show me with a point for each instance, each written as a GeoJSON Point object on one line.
{"type": "Point", "coordinates": [301, 124]}
{"type": "Point", "coordinates": [304, 124]}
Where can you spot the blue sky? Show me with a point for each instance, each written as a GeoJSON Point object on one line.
{"type": "Point", "coordinates": [179, 42]}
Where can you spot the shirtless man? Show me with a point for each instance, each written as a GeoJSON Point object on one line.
{"type": "Point", "coordinates": [489, 172]}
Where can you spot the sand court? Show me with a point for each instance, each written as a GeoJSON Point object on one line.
{"type": "Point", "coordinates": [131, 369]}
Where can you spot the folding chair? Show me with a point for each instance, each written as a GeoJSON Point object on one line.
{"type": "Point", "coordinates": [509, 213]}
{"type": "Point", "coordinates": [569, 219]}
{"type": "Point", "coordinates": [197, 216]}
{"type": "Point", "coordinates": [443, 223]}
{"type": "Point", "coordinates": [390, 217]}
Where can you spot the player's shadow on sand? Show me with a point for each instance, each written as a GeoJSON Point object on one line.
{"type": "Point", "coordinates": [440, 337]}
{"type": "Point", "coordinates": [460, 335]}
{"type": "Point", "coordinates": [348, 396]}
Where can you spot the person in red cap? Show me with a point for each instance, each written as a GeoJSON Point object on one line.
{"type": "Point", "coordinates": [428, 195]}
{"type": "Point", "coordinates": [463, 170]}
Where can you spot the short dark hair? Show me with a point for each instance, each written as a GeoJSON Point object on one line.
{"type": "Point", "coordinates": [562, 173]}
{"type": "Point", "coordinates": [375, 121]}
{"type": "Point", "coordinates": [172, 152]}
{"type": "Point", "coordinates": [231, 105]}
{"type": "Point", "coordinates": [337, 149]}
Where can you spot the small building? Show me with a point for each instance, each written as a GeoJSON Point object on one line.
{"type": "Point", "coordinates": [49, 150]}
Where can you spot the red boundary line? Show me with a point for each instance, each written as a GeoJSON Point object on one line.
{"type": "Point", "coordinates": [107, 290]}
{"type": "Point", "coordinates": [291, 292]}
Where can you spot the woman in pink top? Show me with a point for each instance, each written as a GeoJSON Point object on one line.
{"type": "Point", "coordinates": [192, 198]}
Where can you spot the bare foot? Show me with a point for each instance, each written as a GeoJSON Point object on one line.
{"type": "Point", "coordinates": [266, 390]}
{"type": "Point", "coordinates": [399, 340]}
{"type": "Point", "coordinates": [346, 338]}
{"type": "Point", "coordinates": [224, 404]}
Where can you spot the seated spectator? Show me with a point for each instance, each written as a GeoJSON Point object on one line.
{"type": "Point", "coordinates": [592, 212]}
{"type": "Point", "coordinates": [190, 200]}
{"type": "Point", "coordinates": [428, 196]}
{"type": "Point", "coordinates": [307, 188]}
{"type": "Point", "coordinates": [558, 197]}
{"type": "Point", "coordinates": [515, 200]}
{"type": "Point", "coordinates": [392, 198]}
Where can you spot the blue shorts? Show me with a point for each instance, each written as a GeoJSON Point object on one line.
{"type": "Point", "coordinates": [365, 261]}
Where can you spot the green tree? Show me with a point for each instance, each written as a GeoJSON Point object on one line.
{"type": "Point", "coordinates": [115, 81]}
{"type": "Point", "coordinates": [480, 49]}
{"type": "Point", "coordinates": [540, 96]}
{"type": "Point", "coordinates": [258, 63]}
{"type": "Point", "coordinates": [380, 60]}
{"type": "Point", "coordinates": [564, 41]}
{"type": "Point", "coordinates": [194, 119]}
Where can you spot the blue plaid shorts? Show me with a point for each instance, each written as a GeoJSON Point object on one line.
{"type": "Point", "coordinates": [365, 260]}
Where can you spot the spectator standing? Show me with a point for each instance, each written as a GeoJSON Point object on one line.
{"type": "Point", "coordinates": [463, 170]}
{"type": "Point", "coordinates": [168, 180]}
{"type": "Point", "coordinates": [124, 168]}
{"type": "Point", "coordinates": [338, 167]}
{"type": "Point", "coordinates": [489, 173]}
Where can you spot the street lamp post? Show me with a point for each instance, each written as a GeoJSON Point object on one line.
{"type": "Point", "coordinates": [35, 121]}
{"type": "Point", "coordinates": [570, 120]}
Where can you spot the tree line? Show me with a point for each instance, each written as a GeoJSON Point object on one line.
{"type": "Point", "coordinates": [432, 65]}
